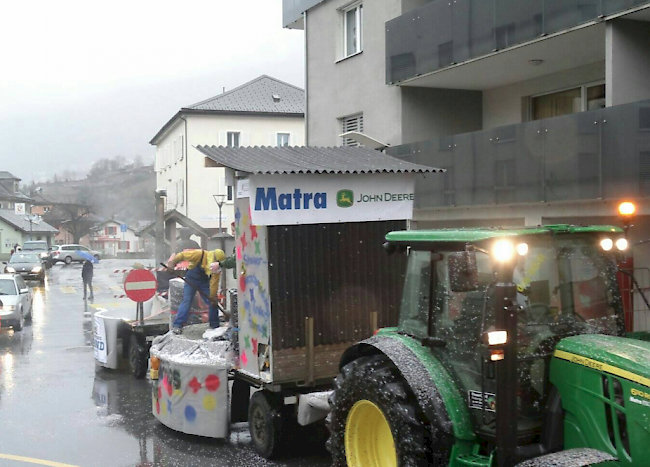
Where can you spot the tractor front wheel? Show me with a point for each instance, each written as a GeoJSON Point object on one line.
{"type": "Point", "coordinates": [374, 422]}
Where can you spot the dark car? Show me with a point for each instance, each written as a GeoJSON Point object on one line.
{"type": "Point", "coordinates": [28, 265]}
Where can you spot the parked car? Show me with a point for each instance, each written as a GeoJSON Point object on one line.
{"type": "Point", "coordinates": [68, 254]}
{"type": "Point", "coordinates": [29, 265]}
{"type": "Point", "coordinates": [41, 247]}
{"type": "Point", "coordinates": [15, 301]}
{"type": "Point", "coordinates": [54, 251]}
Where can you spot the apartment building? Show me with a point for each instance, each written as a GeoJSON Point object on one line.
{"type": "Point", "coordinates": [538, 109]}
{"type": "Point", "coordinates": [262, 112]}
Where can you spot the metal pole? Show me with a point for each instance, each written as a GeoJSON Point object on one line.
{"type": "Point", "coordinates": [160, 230]}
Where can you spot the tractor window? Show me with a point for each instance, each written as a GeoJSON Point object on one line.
{"type": "Point", "coordinates": [416, 297]}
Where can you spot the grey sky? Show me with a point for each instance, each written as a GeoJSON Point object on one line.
{"type": "Point", "coordinates": [83, 79]}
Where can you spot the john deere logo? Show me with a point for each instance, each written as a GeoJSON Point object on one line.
{"type": "Point", "coordinates": [344, 198]}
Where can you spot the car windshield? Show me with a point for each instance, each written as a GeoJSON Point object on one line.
{"type": "Point", "coordinates": [7, 287]}
{"type": "Point", "coordinates": [24, 258]}
{"type": "Point", "coordinates": [35, 246]}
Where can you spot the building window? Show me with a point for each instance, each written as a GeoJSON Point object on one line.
{"type": "Point", "coordinates": [568, 101]}
{"type": "Point", "coordinates": [124, 246]}
{"type": "Point", "coordinates": [111, 230]}
{"type": "Point", "coordinates": [352, 29]}
{"type": "Point", "coordinates": [233, 139]}
{"type": "Point", "coordinates": [283, 139]}
{"type": "Point", "coordinates": [351, 123]}
{"type": "Point", "coordinates": [229, 192]}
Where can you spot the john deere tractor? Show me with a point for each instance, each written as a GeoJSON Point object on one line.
{"type": "Point", "coordinates": [510, 351]}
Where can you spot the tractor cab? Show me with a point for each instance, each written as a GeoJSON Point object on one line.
{"type": "Point", "coordinates": [564, 285]}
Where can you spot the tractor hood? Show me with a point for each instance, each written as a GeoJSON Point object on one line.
{"type": "Point", "coordinates": [623, 357]}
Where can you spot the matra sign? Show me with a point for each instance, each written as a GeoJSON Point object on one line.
{"type": "Point", "coordinates": [327, 198]}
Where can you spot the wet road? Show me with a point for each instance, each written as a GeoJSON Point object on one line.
{"type": "Point", "coordinates": [55, 406]}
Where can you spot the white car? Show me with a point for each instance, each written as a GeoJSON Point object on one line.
{"type": "Point", "coordinates": [15, 301]}
{"type": "Point", "coordinates": [68, 254]}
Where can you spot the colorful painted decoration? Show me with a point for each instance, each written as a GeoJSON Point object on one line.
{"type": "Point", "coordinates": [253, 232]}
{"type": "Point", "coordinates": [209, 403]}
{"type": "Point", "coordinates": [190, 413]}
{"type": "Point", "coordinates": [244, 358]}
{"type": "Point", "coordinates": [254, 346]}
{"type": "Point", "coordinates": [212, 383]}
{"type": "Point", "coordinates": [194, 385]}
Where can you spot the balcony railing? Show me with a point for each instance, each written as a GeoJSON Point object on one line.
{"type": "Point", "coordinates": [601, 154]}
{"type": "Point", "coordinates": [445, 32]}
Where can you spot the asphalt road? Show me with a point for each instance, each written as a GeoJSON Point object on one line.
{"type": "Point", "coordinates": [58, 409]}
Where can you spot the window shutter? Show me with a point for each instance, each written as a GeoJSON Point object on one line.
{"type": "Point", "coordinates": [182, 192]}
{"type": "Point", "coordinates": [351, 123]}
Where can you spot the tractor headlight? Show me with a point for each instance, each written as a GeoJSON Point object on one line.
{"type": "Point", "coordinates": [503, 250]}
{"type": "Point", "coordinates": [606, 244]}
{"type": "Point", "coordinates": [621, 244]}
{"type": "Point", "coordinates": [497, 337]}
{"type": "Point", "coordinates": [522, 249]}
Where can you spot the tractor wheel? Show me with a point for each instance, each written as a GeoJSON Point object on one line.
{"type": "Point", "coordinates": [265, 422]}
{"type": "Point", "coordinates": [373, 422]}
{"type": "Point", "coordinates": [137, 357]}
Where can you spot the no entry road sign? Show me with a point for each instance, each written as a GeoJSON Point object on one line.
{"type": "Point", "coordinates": [140, 285]}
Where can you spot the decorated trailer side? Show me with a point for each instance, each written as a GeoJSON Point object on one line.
{"type": "Point", "coordinates": [313, 278]}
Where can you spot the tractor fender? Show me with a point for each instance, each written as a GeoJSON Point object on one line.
{"type": "Point", "coordinates": [436, 393]}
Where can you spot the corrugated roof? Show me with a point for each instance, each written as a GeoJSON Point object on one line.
{"type": "Point", "coordinates": [4, 175]}
{"type": "Point", "coordinates": [22, 223]}
{"type": "Point", "coordinates": [264, 94]}
{"type": "Point", "coordinates": [303, 159]}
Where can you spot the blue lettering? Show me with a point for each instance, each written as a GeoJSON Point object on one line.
{"type": "Point", "coordinates": [297, 195]}
{"type": "Point", "coordinates": [307, 197]}
{"type": "Point", "coordinates": [266, 200]}
{"type": "Point", "coordinates": [284, 202]}
{"type": "Point", "coordinates": [320, 200]}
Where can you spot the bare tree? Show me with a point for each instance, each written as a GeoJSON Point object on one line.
{"type": "Point", "coordinates": [73, 215]}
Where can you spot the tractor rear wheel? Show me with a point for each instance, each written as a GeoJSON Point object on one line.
{"type": "Point", "coordinates": [374, 422]}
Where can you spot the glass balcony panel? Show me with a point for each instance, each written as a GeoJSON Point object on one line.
{"type": "Point", "coordinates": [517, 22]}
{"type": "Point", "coordinates": [571, 156]}
{"type": "Point", "coordinates": [473, 28]}
{"type": "Point", "coordinates": [611, 7]}
{"type": "Point", "coordinates": [401, 46]}
{"type": "Point", "coordinates": [435, 45]}
{"type": "Point", "coordinates": [626, 145]}
{"type": "Point", "coordinates": [565, 14]}
{"type": "Point", "coordinates": [467, 188]}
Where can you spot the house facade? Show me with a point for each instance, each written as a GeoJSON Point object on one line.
{"type": "Point", "coordinates": [17, 229]}
{"type": "Point", "coordinates": [112, 237]}
{"type": "Point", "coordinates": [10, 193]}
{"type": "Point", "coordinates": [262, 112]}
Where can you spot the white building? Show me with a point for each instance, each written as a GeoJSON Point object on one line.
{"type": "Point", "coordinates": [112, 237]}
{"type": "Point", "coordinates": [262, 112]}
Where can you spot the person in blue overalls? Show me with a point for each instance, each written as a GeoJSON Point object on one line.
{"type": "Point", "coordinates": [203, 275]}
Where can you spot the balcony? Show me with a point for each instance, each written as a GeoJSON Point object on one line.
{"type": "Point", "coordinates": [601, 154]}
{"type": "Point", "coordinates": [445, 33]}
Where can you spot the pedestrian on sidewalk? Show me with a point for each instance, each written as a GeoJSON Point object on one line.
{"type": "Point", "coordinates": [203, 275]}
{"type": "Point", "coordinates": [87, 276]}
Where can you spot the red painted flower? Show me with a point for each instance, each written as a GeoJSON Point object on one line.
{"type": "Point", "coordinates": [195, 385]}
{"type": "Point", "coordinates": [254, 341]}
{"type": "Point", "coordinates": [253, 232]}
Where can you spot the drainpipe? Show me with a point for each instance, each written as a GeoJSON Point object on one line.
{"type": "Point", "coordinates": [187, 184]}
{"type": "Point", "coordinates": [304, 15]}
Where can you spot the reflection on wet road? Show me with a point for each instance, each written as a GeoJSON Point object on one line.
{"type": "Point", "coordinates": [55, 406]}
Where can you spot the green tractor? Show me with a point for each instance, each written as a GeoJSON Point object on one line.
{"type": "Point", "coordinates": [511, 350]}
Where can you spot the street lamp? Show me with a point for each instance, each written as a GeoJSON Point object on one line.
{"type": "Point", "coordinates": [221, 200]}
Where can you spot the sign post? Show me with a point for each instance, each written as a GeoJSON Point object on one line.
{"type": "Point", "coordinates": [140, 285]}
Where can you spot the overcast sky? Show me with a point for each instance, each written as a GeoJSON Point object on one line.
{"type": "Point", "coordinates": [82, 79]}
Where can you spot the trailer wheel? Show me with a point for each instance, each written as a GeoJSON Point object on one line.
{"type": "Point", "coordinates": [137, 356]}
{"type": "Point", "coordinates": [373, 423]}
{"type": "Point", "coordinates": [265, 424]}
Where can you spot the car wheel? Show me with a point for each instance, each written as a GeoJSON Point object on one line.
{"type": "Point", "coordinates": [28, 317]}
{"type": "Point", "coordinates": [97, 257]}
{"type": "Point", "coordinates": [68, 260]}
{"type": "Point", "coordinates": [21, 322]}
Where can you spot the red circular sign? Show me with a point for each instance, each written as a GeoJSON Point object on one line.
{"type": "Point", "coordinates": [140, 285]}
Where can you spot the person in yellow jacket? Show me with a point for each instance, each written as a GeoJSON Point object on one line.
{"type": "Point", "coordinates": [203, 275]}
